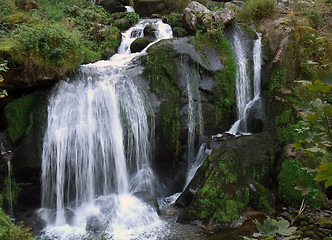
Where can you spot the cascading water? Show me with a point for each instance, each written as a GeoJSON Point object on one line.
{"type": "Point", "coordinates": [7, 155]}
{"type": "Point", "coordinates": [96, 151]}
{"type": "Point", "coordinates": [247, 90]}
{"type": "Point", "coordinates": [195, 119]}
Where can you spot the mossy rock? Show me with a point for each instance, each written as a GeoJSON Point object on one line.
{"type": "Point", "coordinates": [140, 43]}
{"type": "Point", "coordinates": [19, 115]}
{"type": "Point", "coordinates": [261, 198]}
{"type": "Point", "coordinates": [291, 171]}
{"type": "Point", "coordinates": [223, 196]}
{"type": "Point", "coordinates": [150, 31]}
{"type": "Point", "coordinates": [220, 190]}
{"type": "Point", "coordinates": [248, 31]}
{"type": "Point", "coordinates": [122, 24]}
{"type": "Point", "coordinates": [307, 56]}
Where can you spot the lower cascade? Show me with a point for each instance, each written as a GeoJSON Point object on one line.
{"type": "Point", "coordinates": [97, 152]}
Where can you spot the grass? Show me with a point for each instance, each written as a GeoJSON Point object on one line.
{"type": "Point", "coordinates": [55, 36]}
{"type": "Point", "coordinates": [254, 10]}
{"type": "Point", "coordinates": [10, 231]}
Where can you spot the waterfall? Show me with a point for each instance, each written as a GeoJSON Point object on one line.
{"type": "Point", "coordinates": [7, 154]}
{"type": "Point", "coordinates": [247, 90]}
{"type": "Point", "coordinates": [97, 150]}
{"type": "Point", "coordinates": [9, 190]}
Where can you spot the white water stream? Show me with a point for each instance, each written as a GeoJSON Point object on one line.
{"type": "Point", "coordinates": [97, 151]}
{"type": "Point", "coordinates": [247, 91]}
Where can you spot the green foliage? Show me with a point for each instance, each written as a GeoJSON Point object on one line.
{"type": "Point", "coordinates": [275, 81]}
{"type": "Point", "coordinates": [316, 117]}
{"type": "Point", "coordinates": [292, 171]}
{"type": "Point", "coordinates": [19, 115]}
{"type": "Point", "coordinates": [325, 174]}
{"type": "Point", "coordinates": [132, 17]}
{"type": "Point", "coordinates": [15, 190]}
{"type": "Point", "coordinates": [55, 37]}
{"type": "Point", "coordinates": [254, 10]}
{"type": "Point", "coordinates": [219, 199]}
{"type": "Point", "coordinates": [9, 231]}
{"type": "Point", "coordinates": [3, 68]}
{"type": "Point", "coordinates": [271, 228]}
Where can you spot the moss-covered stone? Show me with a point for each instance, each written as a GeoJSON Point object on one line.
{"type": "Point", "coordinates": [261, 198]}
{"type": "Point", "coordinates": [19, 115]}
{"type": "Point", "coordinates": [225, 78]}
{"type": "Point", "coordinates": [224, 182]}
{"type": "Point", "coordinates": [291, 171]}
{"type": "Point", "coordinates": [161, 72]}
{"type": "Point", "coordinates": [140, 43]}
{"type": "Point", "coordinates": [224, 195]}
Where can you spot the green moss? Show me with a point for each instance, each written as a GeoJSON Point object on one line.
{"type": "Point", "coordinates": [248, 31]}
{"type": "Point", "coordinates": [161, 71]}
{"type": "Point", "coordinates": [225, 78]}
{"type": "Point", "coordinates": [19, 115]}
{"type": "Point", "coordinates": [10, 231]}
{"type": "Point", "coordinates": [291, 170]}
{"type": "Point", "coordinates": [308, 56]}
{"type": "Point", "coordinates": [222, 198]}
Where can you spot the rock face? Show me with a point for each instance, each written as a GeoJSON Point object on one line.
{"type": "Point", "coordinates": [232, 178]}
{"type": "Point", "coordinates": [169, 65]}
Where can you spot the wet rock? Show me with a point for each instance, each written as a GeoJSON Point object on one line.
{"type": "Point", "coordinates": [94, 224]}
{"type": "Point", "coordinates": [150, 31]}
{"type": "Point", "coordinates": [140, 43]}
{"type": "Point", "coordinates": [148, 198]}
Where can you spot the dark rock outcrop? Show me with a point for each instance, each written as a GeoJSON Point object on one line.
{"type": "Point", "coordinates": [145, 8]}
{"type": "Point", "coordinates": [233, 177]}
{"type": "Point", "coordinates": [112, 6]}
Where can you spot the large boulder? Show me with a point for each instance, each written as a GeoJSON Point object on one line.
{"type": "Point", "coordinates": [191, 15]}
{"type": "Point", "coordinates": [231, 179]}
{"type": "Point", "coordinates": [225, 16]}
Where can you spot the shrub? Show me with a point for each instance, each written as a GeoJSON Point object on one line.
{"type": "Point", "coordinates": [10, 231]}
{"type": "Point", "coordinates": [257, 9]}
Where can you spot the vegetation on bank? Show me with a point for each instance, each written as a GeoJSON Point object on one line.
{"type": "Point", "coordinates": [56, 37]}
{"type": "Point", "coordinates": [10, 231]}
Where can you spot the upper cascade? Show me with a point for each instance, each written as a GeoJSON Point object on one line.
{"type": "Point", "coordinates": [247, 89]}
